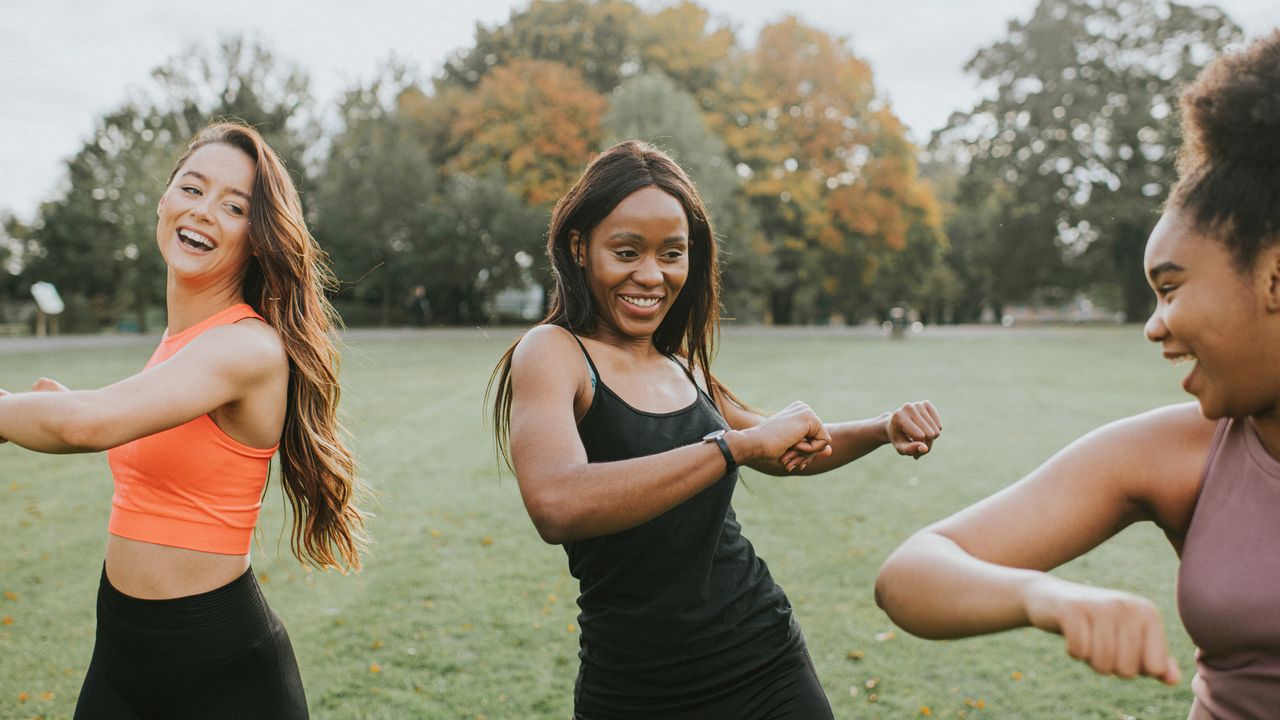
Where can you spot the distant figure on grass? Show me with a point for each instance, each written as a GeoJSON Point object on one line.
{"type": "Point", "coordinates": [245, 367]}
{"type": "Point", "coordinates": [1207, 475]}
{"type": "Point", "coordinates": [626, 451]}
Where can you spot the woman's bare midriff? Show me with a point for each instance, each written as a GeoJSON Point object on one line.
{"type": "Point", "coordinates": [158, 572]}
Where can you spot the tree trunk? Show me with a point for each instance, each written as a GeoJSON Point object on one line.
{"type": "Point", "coordinates": [781, 303]}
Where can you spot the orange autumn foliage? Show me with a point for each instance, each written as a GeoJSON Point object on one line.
{"type": "Point", "coordinates": [535, 121]}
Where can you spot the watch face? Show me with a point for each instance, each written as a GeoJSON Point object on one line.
{"type": "Point", "coordinates": [713, 435]}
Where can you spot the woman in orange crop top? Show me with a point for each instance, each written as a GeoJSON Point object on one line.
{"type": "Point", "coordinates": [1206, 473]}
{"type": "Point", "coordinates": [246, 368]}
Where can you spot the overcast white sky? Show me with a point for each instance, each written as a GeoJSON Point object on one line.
{"type": "Point", "coordinates": [65, 62]}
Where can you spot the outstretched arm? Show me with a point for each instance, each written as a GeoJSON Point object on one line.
{"type": "Point", "coordinates": [984, 569]}
{"type": "Point", "coordinates": [221, 366]}
{"type": "Point", "coordinates": [911, 429]}
{"type": "Point", "coordinates": [569, 498]}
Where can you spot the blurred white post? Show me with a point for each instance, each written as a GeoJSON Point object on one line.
{"type": "Point", "coordinates": [49, 306]}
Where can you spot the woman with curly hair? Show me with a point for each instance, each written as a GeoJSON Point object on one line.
{"type": "Point", "coordinates": [246, 370]}
{"type": "Point", "coordinates": [627, 448]}
{"type": "Point", "coordinates": [1207, 472]}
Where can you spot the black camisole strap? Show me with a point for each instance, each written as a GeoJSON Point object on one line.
{"type": "Point", "coordinates": [590, 364]}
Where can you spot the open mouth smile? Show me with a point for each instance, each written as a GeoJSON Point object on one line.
{"type": "Point", "coordinates": [195, 240]}
{"type": "Point", "coordinates": [641, 302]}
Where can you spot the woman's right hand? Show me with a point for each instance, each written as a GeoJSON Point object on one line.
{"type": "Point", "coordinates": [1115, 632]}
{"type": "Point", "coordinates": [795, 427]}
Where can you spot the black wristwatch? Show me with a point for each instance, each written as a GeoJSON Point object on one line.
{"type": "Point", "coordinates": [717, 437]}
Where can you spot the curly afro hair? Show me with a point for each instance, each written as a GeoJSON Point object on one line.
{"type": "Point", "coordinates": [1229, 165]}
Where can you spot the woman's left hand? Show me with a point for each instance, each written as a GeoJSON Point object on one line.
{"type": "Point", "coordinates": [913, 427]}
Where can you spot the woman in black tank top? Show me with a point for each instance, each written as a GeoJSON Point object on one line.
{"type": "Point", "coordinates": [626, 450]}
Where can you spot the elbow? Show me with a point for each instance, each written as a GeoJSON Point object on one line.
{"type": "Point", "coordinates": [81, 434]}
{"type": "Point", "coordinates": [555, 525]}
{"type": "Point", "coordinates": [898, 593]}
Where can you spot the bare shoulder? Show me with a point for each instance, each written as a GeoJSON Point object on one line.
{"type": "Point", "coordinates": [544, 343]}
{"type": "Point", "coordinates": [1164, 451]}
{"type": "Point", "coordinates": [247, 349]}
{"type": "Point", "coordinates": [548, 353]}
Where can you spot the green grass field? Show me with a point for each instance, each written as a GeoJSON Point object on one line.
{"type": "Point", "coordinates": [462, 612]}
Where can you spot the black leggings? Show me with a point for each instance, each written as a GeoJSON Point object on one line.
{"type": "Point", "coordinates": [219, 655]}
{"type": "Point", "coordinates": [788, 691]}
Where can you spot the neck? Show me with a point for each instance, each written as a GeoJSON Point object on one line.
{"type": "Point", "coordinates": [188, 304]}
{"type": "Point", "coordinates": [639, 347]}
{"type": "Point", "coordinates": [1268, 428]}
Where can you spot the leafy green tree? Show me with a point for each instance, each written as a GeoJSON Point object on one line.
{"type": "Point", "coordinates": [595, 37]}
{"type": "Point", "coordinates": [484, 239]}
{"type": "Point", "coordinates": [373, 196]}
{"type": "Point", "coordinates": [1073, 152]}
{"type": "Point", "coordinates": [98, 241]}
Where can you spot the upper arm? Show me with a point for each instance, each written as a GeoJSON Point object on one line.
{"type": "Point", "coordinates": [222, 366]}
{"type": "Point", "coordinates": [1145, 467]}
{"type": "Point", "coordinates": [546, 377]}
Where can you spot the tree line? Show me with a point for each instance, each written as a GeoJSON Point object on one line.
{"type": "Point", "coordinates": [432, 194]}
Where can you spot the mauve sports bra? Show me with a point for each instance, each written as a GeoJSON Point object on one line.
{"type": "Point", "coordinates": [1229, 581]}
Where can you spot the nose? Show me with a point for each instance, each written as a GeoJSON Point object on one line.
{"type": "Point", "coordinates": [1155, 329]}
{"type": "Point", "coordinates": [648, 272]}
{"type": "Point", "coordinates": [201, 211]}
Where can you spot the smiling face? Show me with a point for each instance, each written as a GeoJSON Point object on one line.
{"type": "Point", "coordinates": [1210, 313]}
{"type": "Point", "coordinates": [203, 229]}
{"type": "Point", "coordinates": [636, 262]}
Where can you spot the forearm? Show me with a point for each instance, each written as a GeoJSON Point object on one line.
{"type": "Point", "coordinates": [587, 500]}
{"type": "Point", "coordinates": [49, 422]}
{"type": "Point", "coordinates": [932, 588]}
{"type": "Point", "coordinates": [849, 441]}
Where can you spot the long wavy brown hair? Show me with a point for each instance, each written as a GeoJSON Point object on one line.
{"type": "Point", "coordinates": [690, 328]}
{"type": "Point", "coordinates": [286, 281]}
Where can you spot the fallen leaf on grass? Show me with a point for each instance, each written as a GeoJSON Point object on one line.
{"type": "Point", "coordinates": [375, 668]}
{"type": "Point", "coordinates": [926, 711]}
{"type": "Point", "coordinates": [855, 655]}
{"type": "Point", "coordinates": [886, 635]}
{"type": "Point", "coordinates": [1016, 675]}
{"type": "Point", "coordinates": [487, 540]}
{"type": "Point", "coordinates": [23, 697]}
{"type": "Point", "coordinates": [570, 628]}
{"type": "Point", "coordinates": [11, 596]}
{"type": "Point", "coordinates": [376, 645]}
{"type": "Point", "coordinates": [872, 683]}
{"type": "Point", "coordinates": [46, 696]}
{"type": "Point", "coordinates": [976, 704]}
{"type": "Point", "coordinates": [6, 620]}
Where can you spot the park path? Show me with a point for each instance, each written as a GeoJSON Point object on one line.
{"type": "Point", "coordinates": [64, 343]}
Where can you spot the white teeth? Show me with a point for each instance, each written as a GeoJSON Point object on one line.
{"type": "Point", "coordinates": [641, 302]}
{"type": "Point", "coordinates": [1182, 359]}
{"type": "Point", "coordinates": [195, 238]}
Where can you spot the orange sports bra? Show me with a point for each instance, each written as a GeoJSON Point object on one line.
{"type": "Point", "coordinates": [191, 486]}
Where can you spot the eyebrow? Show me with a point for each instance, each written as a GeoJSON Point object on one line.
{"type": "Point", "coordinates": [1163, 268]}
{"type": "Point", "coordinates": [637, 237]}
{"type": "Point", "coordinates": [202, 178]}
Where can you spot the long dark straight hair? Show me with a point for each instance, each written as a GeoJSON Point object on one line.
{"type": "Point", "coordinates": [285, 282]}
{"type": "Point", "coordinates": [692, 325]}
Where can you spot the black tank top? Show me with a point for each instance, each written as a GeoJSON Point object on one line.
{"type": "Point", "coordinates": [677, 611]}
